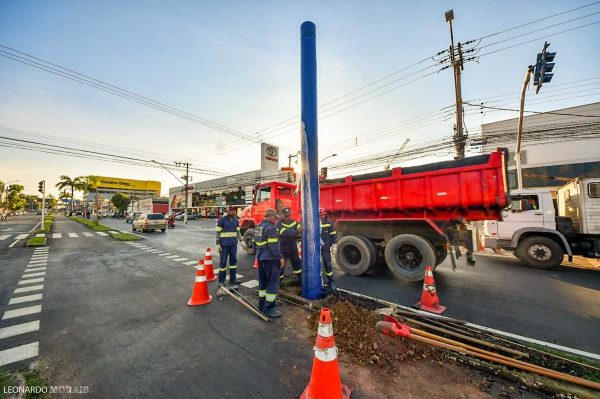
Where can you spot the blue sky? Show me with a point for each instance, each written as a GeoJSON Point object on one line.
{"type": "Point", "coordinates": [237, 63]}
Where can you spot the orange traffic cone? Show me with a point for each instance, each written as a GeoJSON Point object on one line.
{"type": "Point", "coordinates": [200, 295]}
{"type": "Point", "coordinates": [299, 246]}
{"type": "Point", "coordinates": [325, 381]}
{"type": "Point", "coordinates": [208, 266]}
{"type": "Point", "coordinates": [429, 299]}
{"type": "Point", "coordinates": [255, 263]}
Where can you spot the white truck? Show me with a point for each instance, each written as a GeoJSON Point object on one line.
{"type": "Point", "coordinates": [540, 230]}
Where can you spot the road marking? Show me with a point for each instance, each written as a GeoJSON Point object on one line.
{"type": "Point", "coordinates": [21, 236]}
{"type": "Point", "coordinates": [239, 276]}
{"type": "Point", "coordinates": [151, 250]}
{"type": "Point", "coordinates": [101, 233]}
{"type": "Point", "coordinates": [56, 235]}
{"type": "Point", "coordinates": [39, 256]}
{"type": "Point", "coordinates": [34, 269]}
{"type": "Point", "coordinates": [73, 235]}
{"type": "Point", "coordinates": [192, 262]}
{"type": "Point", "coordinates": [40, 235]}
{"type": "Point", "coordinates": [112, 232]}
{"type": "Point", "coordinates": [19, 353]}
{"type": "Point", "coordinates": [172, 256]}
{"type": "Point", "coordinates": [26, 298]}
{"type": "Point", "coordinates": [179, 259]}
{"type": "Point", "coordinates": [4, 237]}
{"type": "Point", "coordinates": [40, 251]}
{"type": "Point", "coordinates": [28, 289]}
{"type": "Point", "coordinates": [34, 274]}
{"type": "Point", "coordinates": [13, 244]}
{"type": "Point", "coordinates": [11, 314]}
{"type": "Point", "coordinates": [38, 262]}
{"type": "Point", "coordinates": [250, 284]}
{"type": "Point", "coordinates": [165, 254]}
{"type": "Point", "coordinates": [88, 234]}
{"type": "Point", "coordinates": [19, 329]}
{"type": "Point", "coordinates": [30, 281]}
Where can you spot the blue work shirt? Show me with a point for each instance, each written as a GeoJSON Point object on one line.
{"type": "Point", "coordinates": [288, 233]}
{"type": "Point", "coordinates": [227, 230]}
{"type": "Point", "coordinates": [266, 239]}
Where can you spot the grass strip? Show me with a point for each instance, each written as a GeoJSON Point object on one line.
{"type": "Point", "coordinates": [7, 382]}
{"type": "Point", "coordinates": [126, 237]}
{"type": "Point", "coordinates": [36, 242]}
{"type": "Point", "coordinates": [94, 225]}
{"type": "Point", "coordinates": [33, 379]}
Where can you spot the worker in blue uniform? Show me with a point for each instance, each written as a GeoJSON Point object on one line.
{"type": "Point", "coordinates": [270, 261]}
{"type": "Point", "coordinates": [289, 231]}
{"type": "Point", "coordinates": [328, 240]}
{"type": "Point", "coordinates": [228, 236]}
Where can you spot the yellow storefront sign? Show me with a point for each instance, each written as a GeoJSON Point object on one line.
{"type": "Point", "coordinates": [126, 184]}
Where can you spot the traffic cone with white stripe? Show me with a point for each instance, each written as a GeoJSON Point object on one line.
{"type": "Point", "coordinates": [208, 266]}
{"type": "Point", "coordinates": [429, 298]}
{"type": "Point", "coordinates": [200, 295]}
{"type": "Point", "coordinates": [255, 263]}
{"type": "Point", "coordinates": [325, 381]}
{"type": "Point", "coordinates": [299, 246]}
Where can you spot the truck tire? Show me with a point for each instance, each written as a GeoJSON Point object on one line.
{"type": "Point", "coordinates": [441, 254]}
{"type": "Point", "coordinates": [540, 252]}
{"type": "Point", "coordinates": [407, 255]}
{"type": "Point", "coordinates": [249, 241]}
{"type": "Point", "coordinates": [355, 255]}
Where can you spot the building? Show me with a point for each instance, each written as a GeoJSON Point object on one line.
{"type": "Point", "coordinates": [556, 147]}
{"type": "Point", "coordinates": [207, 196]}
{"type": "Point", "coordinates": [105, 187]}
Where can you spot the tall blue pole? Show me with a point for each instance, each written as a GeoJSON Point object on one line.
{"type": "Point", "coordinates": [311, 248]}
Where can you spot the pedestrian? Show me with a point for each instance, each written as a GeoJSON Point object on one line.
{"type": "Point", "coordinates": [270, 262]}
{"type": "Point", "coordinates": [328, 240]}
{"type": "Point", "coordinates": [228, 236]}
{"type": "Point", "coordinates": [289, 230]}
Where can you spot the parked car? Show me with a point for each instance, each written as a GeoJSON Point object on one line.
{"type": "Point", "coordinates": [150, 221]}
{"type": "Point", "coordinates": [190, 216]}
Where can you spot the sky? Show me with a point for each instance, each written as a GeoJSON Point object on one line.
{"type": "Point", "coordinates": [237, 63]}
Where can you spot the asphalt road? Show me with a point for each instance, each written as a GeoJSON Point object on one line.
{"type": "Point", "coordinates": [114, 319]}
{"type": "Point", "coordinates": [559, 306]}
{"type": "Point", "coordinates": [15, 228]}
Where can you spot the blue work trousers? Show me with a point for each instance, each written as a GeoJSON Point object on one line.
{"type": "Point", "coordinates": [326, 256]}
{"type": "Point", "coordinates": [268, 279]}
{"type": "Point", "coordinates": [228, 251]}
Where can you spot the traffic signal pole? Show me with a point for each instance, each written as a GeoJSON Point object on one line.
{"type": "Point", "coordinates": [311, 247]}
{"type": "Point", "coordinates": [187, 177]}
{"type": "Point", "coordinates": [457, 66]}
{"type": "Point", "coordinates": [520, 129]}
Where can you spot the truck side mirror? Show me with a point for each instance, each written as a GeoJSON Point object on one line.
{"type": "Point", "coordinates": [517, 205]}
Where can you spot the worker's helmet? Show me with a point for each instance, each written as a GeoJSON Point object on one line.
{"type": "Point", "coordinates": [286, 211]}
{"type": "Point", "coordinates": [322, 211]}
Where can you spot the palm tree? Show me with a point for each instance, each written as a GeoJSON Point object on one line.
{"type": "Point", "coordinates": [90, 185]}
{"type": "Point", "coordinates": [73, 184]}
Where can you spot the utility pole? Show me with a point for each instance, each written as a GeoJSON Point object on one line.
{"type": "Point", "coordinates": [520, 130]}
{"type": "Point", "coordinates": [186, 178]}
{"type": "Point", "coordinates": [42, 189]}
{"type": "Point", "coordinates": [457, 65]}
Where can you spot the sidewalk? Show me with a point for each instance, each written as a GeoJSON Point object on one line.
{"type": "Point", "coordinates": [578, 261]}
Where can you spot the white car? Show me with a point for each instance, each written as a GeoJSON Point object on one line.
{"type": "Point", "coordinates": [150, 221]}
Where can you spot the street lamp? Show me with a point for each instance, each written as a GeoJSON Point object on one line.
{"type": "Point", "coordinates": [328, 156]}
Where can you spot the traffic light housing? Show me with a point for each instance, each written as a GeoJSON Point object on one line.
{"type": "Point", "coordinates": [543, 67]}
{"type": "Point", "coordinates": [323, 173]}
{"type": "Point", "coordinates": [41, 186]}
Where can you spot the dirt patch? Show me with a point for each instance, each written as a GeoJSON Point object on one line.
{"type": "Point", "coordinates": [376, 366]}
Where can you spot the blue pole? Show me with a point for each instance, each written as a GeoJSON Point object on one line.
{"type": "Point", "coordinates": [311, 248]}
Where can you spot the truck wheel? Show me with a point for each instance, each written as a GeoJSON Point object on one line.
{"type": "Point", "coordinates": [407, 255]}
{"type": "Point", "coordinates": [249, 241]}
{"type": "Point", "coordinates": [355, 255]}
{"type": "Point", "coordinates": [540, 252]}
{"type": "Point", "coordinates": [441, 254]}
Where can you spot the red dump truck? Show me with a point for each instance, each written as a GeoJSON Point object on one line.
{"type": "Point", "coordinates": [405, 217]}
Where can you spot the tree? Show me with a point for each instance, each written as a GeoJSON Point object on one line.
{"type": "Point", "coordinates": [120, 201]}
{"type": "Point", "coordinates": [51, 202]}
{"type": "Point", "coordinates": [15, 200]}
{"type": "Point", "coordinates": [77, 183]}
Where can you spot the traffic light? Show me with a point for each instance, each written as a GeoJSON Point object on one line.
{"type": "Point", "coordinates": [41, 185]}
{"type": "Point", "coordinates": [324, 173]}
{"type": "Point", "coordinates": [543, 67]}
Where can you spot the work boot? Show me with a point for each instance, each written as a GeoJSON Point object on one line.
{"type": "Point", "coordinates": [470, 259]}
{"type": "Point", "coordinates": [261, 303]}
{"type": "Point", "coordinates": [270, 311]}
{"type": "Point", "coordinates": [235, 284]}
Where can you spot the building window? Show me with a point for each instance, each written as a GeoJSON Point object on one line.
{"type": "Point", "coordinates": [594, 190]}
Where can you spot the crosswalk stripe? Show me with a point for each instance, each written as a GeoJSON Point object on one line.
{"type": "Point", "coordinates": [28, 289]}
{"type": "Point", "coordinates": [88, 234]}
{"type": "Point", "coordinates": [192, 262]}
{"type": "Point", "coordinates": [239, 276]}
{"type": "Point", "coordinates": [165, 254]}
{"type": "Point", "coordinates": [26, 298]}
{"type": "Point", "coordinates": [250, 284]}
{"type": "Point", "coordinates": [178, 259]}
{"type": "Point", "coordinates": [38, 262]}
{"type": "Point", "coordinates": [36, 274]}
{"type": "Point", "coordinates": [56, 235]}
{"type": "Point", "coordinates": [40, 251]}
{"type": "Point", "coordinates": [4, 237]}
{"type": "Point", "coordinates": [19, 329]}
{"type": "Point", "coordinates": [35, 269]}
{"type": "Point", "coordinates": [73, 235]}
{"type": "Point", "coordinates": [19, 353]}
{"type": "Point", "coordinates": [172, 256]}
{"type": "Point", "coordinates": [40, 235]}
{"type": "Point", "coordinates": [31, 281]}
{"type": "Point", "coordinates": [11, 314]}
{"type": "Point", "coordinates": [21, 236]}
{"type": "Point", "coordinates": [101, 233]}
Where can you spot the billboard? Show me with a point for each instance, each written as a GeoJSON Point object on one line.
{"type": "Point", "coordinates": [269, 157]}
{"type": "Point", "coordinates": [104, 182]}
